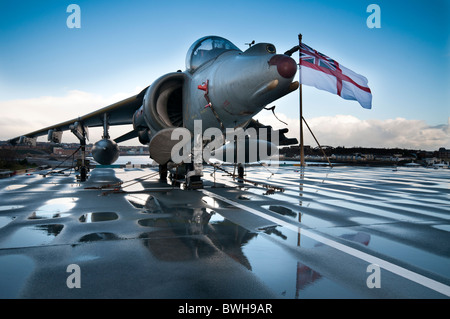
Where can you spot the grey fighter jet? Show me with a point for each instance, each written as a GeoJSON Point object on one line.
{"type": "Point", "coordinates": [222, 87]}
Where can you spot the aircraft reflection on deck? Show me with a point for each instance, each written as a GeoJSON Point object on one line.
{"type": "Point", "coordinates": [179, 233]}
{"type": "Point", "coordinates": [188, 233]}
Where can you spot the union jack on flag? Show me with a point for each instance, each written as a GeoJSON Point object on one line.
{"type": "Point", "coordinates": [311, 56]}
{"type": "Point", "coordinates": [324, 73]}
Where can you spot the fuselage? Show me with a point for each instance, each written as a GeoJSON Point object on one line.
{"type": "Point", "coordinates": [222, 86]}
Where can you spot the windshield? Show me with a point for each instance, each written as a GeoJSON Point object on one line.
{"type": "Point", "coordinates": [206, 49]}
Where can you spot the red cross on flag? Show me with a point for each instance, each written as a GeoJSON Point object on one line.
{"type": "Point", "coordinates": [318, 70]}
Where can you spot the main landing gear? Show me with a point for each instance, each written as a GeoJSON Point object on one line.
{"type": "Point", "coordinates": [188, 176]}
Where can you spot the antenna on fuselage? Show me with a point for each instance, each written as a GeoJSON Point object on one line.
{"type": "Point", "coordinates": [250, 44]}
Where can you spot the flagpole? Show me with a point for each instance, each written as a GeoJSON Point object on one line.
{"type": "Point", "coordinates": [302, 153]}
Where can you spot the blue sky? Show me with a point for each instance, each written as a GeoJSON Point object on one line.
{"type": "Point", "coordinates": [125, 45]}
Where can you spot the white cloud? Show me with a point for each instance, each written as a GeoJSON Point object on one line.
{"type": "Point", "coordinates": [22, 116]}
{"type": "Point", "coordinates": [347, 130]}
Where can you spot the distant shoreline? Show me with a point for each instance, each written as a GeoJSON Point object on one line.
{"type": "Point", "coordinates": [318, 162]}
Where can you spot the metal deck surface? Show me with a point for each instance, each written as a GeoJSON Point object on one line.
{"type": "Point", "coordinates": [345, 232]}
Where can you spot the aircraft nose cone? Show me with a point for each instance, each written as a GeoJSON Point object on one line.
{"type": "Point", "coordinates": [286, 66]}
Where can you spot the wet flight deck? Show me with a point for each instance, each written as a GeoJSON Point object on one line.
{"type": "Point", "coordinates": [345, 232]}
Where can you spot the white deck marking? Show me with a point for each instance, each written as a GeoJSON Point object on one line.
{"type": "Point", "coordinates": [400, 271]}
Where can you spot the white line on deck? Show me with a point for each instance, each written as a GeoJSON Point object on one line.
{"type": "Point", "coordinates": [400, 271]}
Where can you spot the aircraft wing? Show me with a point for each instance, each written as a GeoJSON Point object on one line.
{"type": "Point", "coordinates": [118, 113]}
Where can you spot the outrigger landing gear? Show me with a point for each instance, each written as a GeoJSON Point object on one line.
{"type": "Point", "coordinates": [83, 168]}
{"type": "Point", "coordinates": [80, 131]}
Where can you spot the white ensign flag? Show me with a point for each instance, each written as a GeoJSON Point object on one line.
{"type": "Point", "coordinates": [318, 70]}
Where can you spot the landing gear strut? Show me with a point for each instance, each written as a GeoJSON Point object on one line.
{"type": "Point", "coordinates": [188, 175]}
{"type": "Point", "coordinates": [80, 131]}
{"type": "Point", "coordinates": [83, 168]}
{"type": "Point", "coordinates": [240, 173]}
{"type": "Point", "coordinates": [163, 172]}
{"type": "Point", "coordinates": [194, 176]}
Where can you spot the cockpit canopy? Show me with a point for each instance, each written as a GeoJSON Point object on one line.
{"type": "Point", "coordinates": [206, 49]}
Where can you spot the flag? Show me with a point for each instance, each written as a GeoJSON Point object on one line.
{"type": "Point", "coordinates": [324, 73]}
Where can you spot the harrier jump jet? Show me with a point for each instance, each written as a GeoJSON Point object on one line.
{"type": "Point", "coordinates": [222, 86]}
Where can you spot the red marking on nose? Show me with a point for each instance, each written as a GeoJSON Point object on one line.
{"type": "Point", "coordinates": [286, 66]}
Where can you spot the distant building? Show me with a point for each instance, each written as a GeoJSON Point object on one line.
{"type": "Point", "coordinates": [444, 154]}
{"type": "Point", "coordinates": [60, 151]}
{"type": "Point", "coordinates": [368, 157]}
